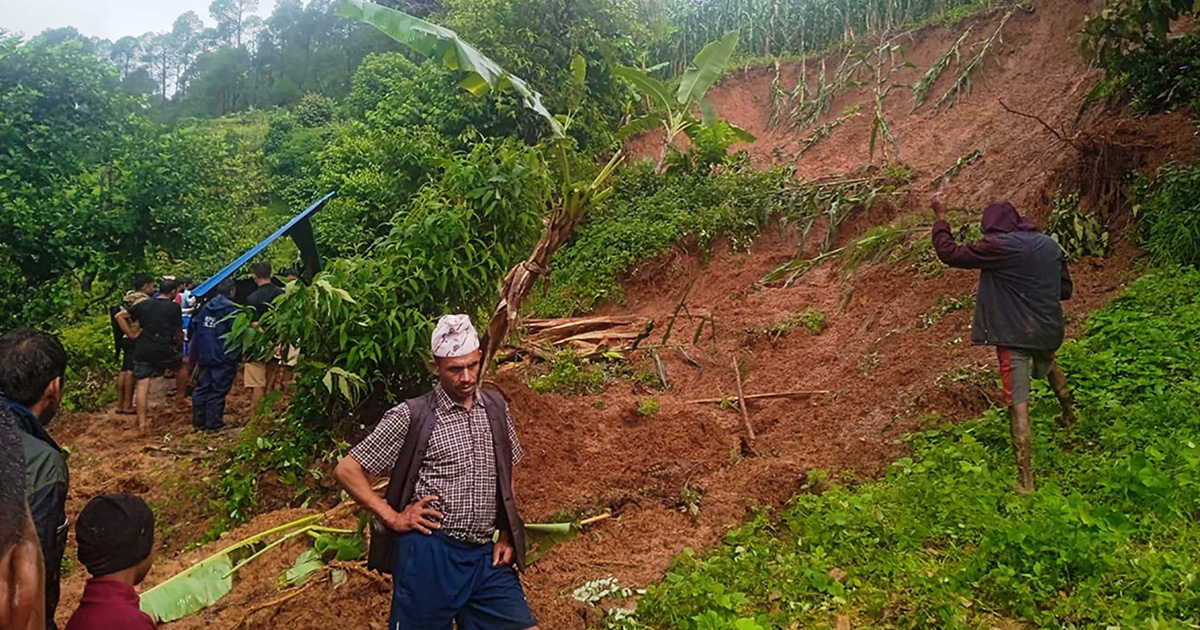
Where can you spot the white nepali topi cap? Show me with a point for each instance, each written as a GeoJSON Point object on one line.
{"type": "Point", "coordinates": [454, 336]}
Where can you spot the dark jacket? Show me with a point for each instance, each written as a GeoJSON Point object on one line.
{"type": "Point", "coordinates": [1023, 280]}
{"type": "Point", "coordinates": [46, 486]}
{"type": "Point", "coordinates": [407, 469]}
{"type": "Point", "coordinates": [208, 330]}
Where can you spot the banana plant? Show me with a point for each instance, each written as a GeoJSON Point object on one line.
{"type": "Point", "coordinates": [674, 112]}
{"type": "Point", "coordinates": [439, 42]}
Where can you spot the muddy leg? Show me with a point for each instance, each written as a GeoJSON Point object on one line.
{"type": "Point", "coordinates": [125, 392]}
{"type": "Point", "coordinates": [143, 400]}
{"type": "Point", "coordinates": [1058, 383]}
{"type": "Point", "coordinates": [181, 380]}
{"type": "Point", "coordinates": [1018, 417]}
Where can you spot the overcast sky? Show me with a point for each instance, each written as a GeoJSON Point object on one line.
{"type": "Point", "coordinates": [110, 19]}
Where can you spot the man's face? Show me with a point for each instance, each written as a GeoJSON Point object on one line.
{"type": "Point", "coordinates": [458, 375]}
{"type": "Point", "coordinates": [148, 289]}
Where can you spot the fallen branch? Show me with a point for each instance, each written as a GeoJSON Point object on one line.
{"type": "Point", "coordinates": [710, 401]}
{"type": "Point", "coordinates": [1061, 136]}
{"type": "Point", "coordinates": [737, 371]}
{"type": "Point", "coordinates": [277, 602]}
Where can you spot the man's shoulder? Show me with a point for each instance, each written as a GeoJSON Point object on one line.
{"type": "Point", "coordinates": [44, 464]}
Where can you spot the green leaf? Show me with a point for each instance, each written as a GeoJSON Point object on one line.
{"type": "Point", "coordinates": [191, 591]}
{"type": "Point", "coordinates": [579, 70]}
{"type": "Point", "coordinates": [344, 548]}
{"type": "Point", "coordinates": [433, 41]}
{"type": "Point", "coordinates": [708, 115]}
{"type": "Point", "coordinates": [707, 67]}
{"type": "Point", "coordinates": [542, 537]}
{"type": "Point", "coordinates": [306, 565]}
{"type": "Point", "coordinates": [649, 86]}
{"type": "Point", "coordinates": [741, 134]}
{"type": "Point", "coordinates": [647, 122]}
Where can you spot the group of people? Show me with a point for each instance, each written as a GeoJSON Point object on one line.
{"type": "Point", "coordinates": [114, 533]}
{"type": "Point", "coordinates": [165, 331]}
{"type": "Point", "coordinates": [448, 528]}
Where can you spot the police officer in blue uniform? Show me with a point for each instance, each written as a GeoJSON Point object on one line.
{"type": "Point", "coordinates": [214, 358]}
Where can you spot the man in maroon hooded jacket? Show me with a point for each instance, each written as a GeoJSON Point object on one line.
{"type": "Point", "coordinates": [1023, 280]}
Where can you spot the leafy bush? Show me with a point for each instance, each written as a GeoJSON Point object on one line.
{"type": "Point", "coordinates": [649, 407]}
{"type": "Point", "coordinates": [92, 365]}
{"type": "Point", "coordinates": [1077, 233]}
{"type": "Point", "coordinates": [314, 110]}
{"type": "Point", "coordinates": [569, 375]}
{"type": "Point", "coordinates": [646, 216]}
{"type": "Point", "coordinates": [944, 542]}
{"type": "Point", "coordinates": [1166, 209]}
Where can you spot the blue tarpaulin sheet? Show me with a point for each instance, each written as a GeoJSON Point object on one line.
{"type": "Point", "coordinates": [300, 230]}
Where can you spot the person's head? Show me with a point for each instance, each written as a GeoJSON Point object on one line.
{"type": "Point", "coordinates": [227, 287]}
{"type": "Point", "coordinates": [262, 272]}
{"type": "Point", "coordinates": [21, 580]}
{"type": "Point", "coordinates": [1002, 217]}
{"type": "Point", "coordinates": [456, 356]}
{"type": "Point", "coordinates": [143, 283]}
{"type": "Point", "coordinates": [291, 274]}
{"type": "Point", "coordinates": [168, 289]}
{"type": "Point", "coordinates": [186, 284]}
{"type": "Point", "coordinates": [32, 366]}
{"type": "Point", "coordinates": [116, 537]}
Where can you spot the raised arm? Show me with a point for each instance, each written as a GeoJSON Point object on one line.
{"type": "Point", "coordinates": [982, 254]}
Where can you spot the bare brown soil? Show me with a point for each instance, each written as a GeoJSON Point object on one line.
{"type": "Point", "coordinates": [880, 364]}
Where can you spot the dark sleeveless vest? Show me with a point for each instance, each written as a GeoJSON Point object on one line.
{"type": "Point", "coordinates": [422, 419]}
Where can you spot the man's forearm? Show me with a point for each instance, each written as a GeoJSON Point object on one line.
{"type": "Point", "coordinates": [350, 474]}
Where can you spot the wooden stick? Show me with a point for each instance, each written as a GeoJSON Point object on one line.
{"type": "Point", "coordinates": [737, 371]}
{"type": "Point", "coordinates": [811, 392]}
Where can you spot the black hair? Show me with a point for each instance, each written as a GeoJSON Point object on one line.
{"type": "Point", "coordinates": [168, 286]}
{"type": "Point", "coordinates": [290, 271]}
{"type": "Point", "coordinates": [262, 270]}
{"type": "Point", "coordinates": [183, 281]}
{"type": "Point", "coordinates": [12, 480]}
{"type": "Point", "coordinates": [141, 280]}
{"type": "Point", "coordinates": [29, 361]}
{"type": "Point", "coordinates": [226, 286]}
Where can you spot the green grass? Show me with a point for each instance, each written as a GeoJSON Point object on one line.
{"type": "Point", "coordinates": [1111, 539]}
{"type": "Point", "coordinates": [649, 407]}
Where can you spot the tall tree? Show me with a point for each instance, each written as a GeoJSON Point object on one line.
{"type": "Point", "coordinates": [187, 41]}
{"type": "Point", "coordinates": [231, 17]}
{"type": "Point", "coordinates": [124, 53]}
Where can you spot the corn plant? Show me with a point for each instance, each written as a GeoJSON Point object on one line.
{"type": "Point", "coordinates": [822, 132]}
{"type": "Point", "coordinates": [953, 55]}
{"type": "Point", "coordinates": [959, 164]}
{"type": "Point", "coordinates": [962, 85]}
{"type": "Point", "coordinates": [875, 62]}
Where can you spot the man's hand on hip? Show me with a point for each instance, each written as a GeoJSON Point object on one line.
{"type": "Point", "coordinates": [416, 517]}
{"type": "Point", "coordinates": [503, 550]}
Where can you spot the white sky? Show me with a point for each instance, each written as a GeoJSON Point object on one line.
{"type": "Point", "coordinates": [110, 19]}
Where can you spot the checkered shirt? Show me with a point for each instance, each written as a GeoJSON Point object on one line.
{"type": "Point", "coordinates": [459, 466]}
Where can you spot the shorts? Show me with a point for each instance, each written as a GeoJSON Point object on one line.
{"type": "Point", "coordinates": [126, 355]}
{"type": "Point", "coordinates": [259, 373]}
{"type": "Point", "coordinates": [143, 370]}
{"type": "Point", "coordinates": [1018, 368]}
{"type": "Point", "coordinates": [437, 581]}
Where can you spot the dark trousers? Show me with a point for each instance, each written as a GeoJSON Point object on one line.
{"type": "Point", "coordinates": [213, 383]}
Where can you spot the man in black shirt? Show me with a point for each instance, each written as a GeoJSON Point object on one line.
{"type": "Point", "coordinates": [157, 347]}
{"type": "Point", "coordinates": [259, 373]}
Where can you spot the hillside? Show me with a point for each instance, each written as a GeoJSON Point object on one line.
{"type": "Point", "coordinates": [890, 353]}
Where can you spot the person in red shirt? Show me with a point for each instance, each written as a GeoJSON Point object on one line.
{"type": "Point", "coordinates": [116, 544]}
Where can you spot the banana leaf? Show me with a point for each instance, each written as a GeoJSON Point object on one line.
{"type": "Point", "coordinates": [542, 537]}
{"type": "Point", "coordinates": [431, 40]}
{"type": "Point", "coordinates": [649, 86]}
{"type": "Point", "coordinates": [207, 581]}
{"type": "Point", "coordinates": [707, 66]}
{"type": "Point", "coordinates": [306, 565]}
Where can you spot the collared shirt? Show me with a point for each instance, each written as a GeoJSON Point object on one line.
{"type": "Point", "coordinates": [109, 605]}
{"type": "Point", "coordinates": [459, 466]}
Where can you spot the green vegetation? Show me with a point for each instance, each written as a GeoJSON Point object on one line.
{"type": "Point", "coordinates": [944, 542]}
{"type": "Point", "coordinates": [811, 319]}
{"type": "Point", "coordinates": [1166, 212]}
{"type": "Point", "coordinates": [91, 365]}
{"type": "Point", "coordinates": [649, 407]}
{"type": "Point", "coordinates": [569, 375]}
{"type": "Point", "coordinates": [1132, 40]}
{"type": "Point", "coordinates": [1080, 234]}
{"type": "Point", "coordinates": [646, 216]}
{"type": "Point", "coordinates": [944, 306]}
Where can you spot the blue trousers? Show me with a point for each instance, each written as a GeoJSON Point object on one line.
{"type": "Point", "coordinates": [438, 581]}
{"type": "Point", "coordinates": [213, 383]}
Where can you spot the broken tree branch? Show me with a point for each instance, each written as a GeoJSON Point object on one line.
{"type": "Point", "coordinates": [737, 371]}
{"type": "Point", "coordinates": [1057, 134]}
{"type": "Point", "coordinates": [710, 401]}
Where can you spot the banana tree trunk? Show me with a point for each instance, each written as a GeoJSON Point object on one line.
{"type": "Point", "coordinates": [567, 214]}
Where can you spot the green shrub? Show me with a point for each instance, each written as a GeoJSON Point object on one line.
{"type": "Point", "coordinates": [92, 366]}
{"type": "Point", "coordinates": [569, 375]}
{"type": "Point", "coordinates": [647, 215]}
{"type": "Point", "coordinates": [1167, 212]}
{"type": "Point", "coordinates": [1108, 539]}
{"type": "Point", "coordinates": [649, 407]}
{"type": "Point", "coordinates": [1077, 233]}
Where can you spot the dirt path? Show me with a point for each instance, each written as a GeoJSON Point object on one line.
{"type": "Point", "coordinates": [884, 368]}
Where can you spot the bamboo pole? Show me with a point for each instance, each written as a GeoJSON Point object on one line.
{"type": "Point", "coordinates": [709, 401]}
{"type": "Point", "coordinates": [737, 371]}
